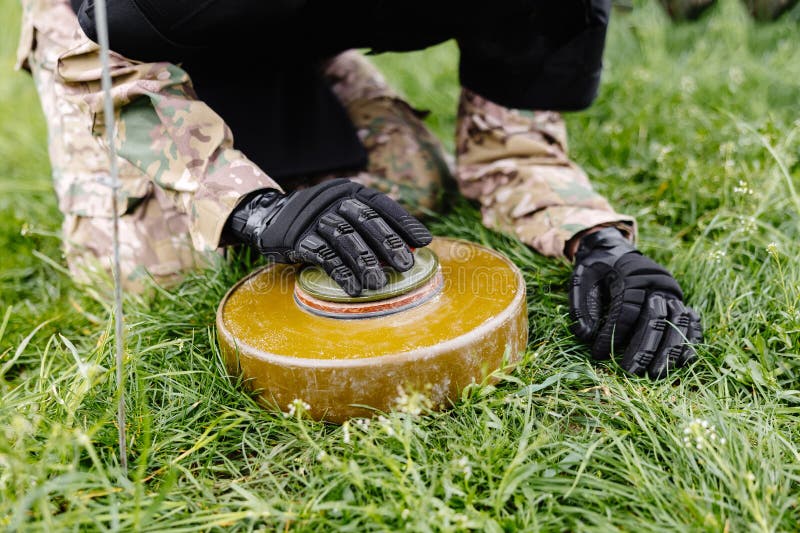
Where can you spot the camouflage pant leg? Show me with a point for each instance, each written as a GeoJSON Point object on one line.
{"type": "Point", "coordinates": [515, 163]}
{"type": "Point", "coordinates": [154, 236]}
{"type": "Point", "coordinates": [405, 160]}
{"type": "Point", "coordinates": [177, 165]}
{"type": "Point", "coordinates": [154, 243]}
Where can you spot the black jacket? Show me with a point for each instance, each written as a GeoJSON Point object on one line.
{"type": "Point", "coordinates": [535, 54]}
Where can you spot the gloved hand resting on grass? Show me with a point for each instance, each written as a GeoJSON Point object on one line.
{"type": "Point", "coordinates": [626, 304]}
{"type": "Point", "coordinates": [346, 228]}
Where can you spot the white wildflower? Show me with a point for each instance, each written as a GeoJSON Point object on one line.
{"type": "Point", "coordinates": [717, 256]}
{"type": "Point", "coordinates": [346, 432]}
{"type": "Point", "coordinates": [297, 406]}
{"type": "Point", "coordinates": [743, 188]}
{"type": "Point", "coordinates": [772, 249]}
{"type": "Point", "coordinates": [700, 433]}
{"type": "Point", "coordinates": [748, 224]}
{"type": "Point", "coordinates": [386, 425]}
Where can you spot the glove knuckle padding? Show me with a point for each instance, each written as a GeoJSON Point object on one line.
{"type": "Point", "coordinates": [377, 233]}
{"type": "Point", "coordinates": [407, 227]}
{"type": "Point", "coordinates": [315, 250]}
{"type": "Point", "coordinates": [673, 350]}
{"type": "Point", "coordinates": [645, 341]}
{"type": "Point", "coordinates": [677, 331]}
{"type": "Point", "coordinates": [306, 206]}
{"type": "Point", "coordinates": [344, 239]}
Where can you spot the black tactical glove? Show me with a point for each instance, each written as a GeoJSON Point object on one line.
{"type": "Point", "coordinates": [344, 227]}
{"type": "Point", "coordinates": [623, 302]}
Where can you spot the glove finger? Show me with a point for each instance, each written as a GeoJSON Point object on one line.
{"type": "Point", "coordinates": [693, 336]}
{"type": "Point", "coordinates": [383, 240]}
{"type": "Point", "coordinates": [643, 348]}
{"type": "Point", "coordinates": [623, 313]}
{"type": "Point", "coordinates": [313, 249]}
{"type": "Point", "coordinates": [673, 342]}
{"type": "Point", "coordinates": [689, 332]}
{"type": "Point", "coordinates": [348, 244]}
{"type": "Point", "coordinates": [407, 227]}
{"type": "Point", "coordinates": [588, 297]}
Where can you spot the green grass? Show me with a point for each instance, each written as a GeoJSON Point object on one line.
{"type": "Point", "coordinates": [688, 117]}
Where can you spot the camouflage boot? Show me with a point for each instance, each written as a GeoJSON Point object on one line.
{"type": "Point", "coordinates": [768, 10]}
{"type": "Point", "coordinates": [686, 9]}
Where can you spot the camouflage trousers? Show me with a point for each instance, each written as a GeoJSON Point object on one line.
{"type": "Point", "coordinates": [182, 175]}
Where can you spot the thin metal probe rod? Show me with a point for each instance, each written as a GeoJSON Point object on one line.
{"type": "Point", "coordinates": [108, 111]}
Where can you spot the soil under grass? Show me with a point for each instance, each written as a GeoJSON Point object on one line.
{"type": "Point", "coordinates": [696, 133]}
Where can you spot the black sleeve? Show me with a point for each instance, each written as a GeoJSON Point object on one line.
{"type": "Point", "coordinates": [175, 30]}
{"type": "Point", "coordinates": [547, 58]}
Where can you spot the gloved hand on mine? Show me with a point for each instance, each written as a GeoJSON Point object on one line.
{"type": "Point", "coordinates": [625, 304]}
{"type": "Point", "coordinates": [347, 229]}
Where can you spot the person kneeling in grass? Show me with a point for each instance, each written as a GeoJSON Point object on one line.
{"type": "Point", "coordinates": [329, 164]}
